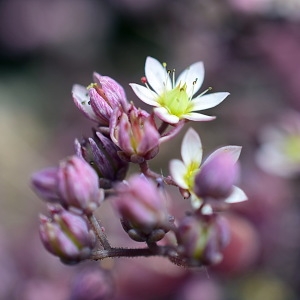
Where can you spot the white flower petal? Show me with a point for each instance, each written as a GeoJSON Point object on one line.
{"type": "Point", "coordinates": [193, 116]}
{"type": "Point", "coordinates": [208, 101]}
{"type": "Point", "coordinates": [207, 210]}
{"type": "Point", "coordinates": [164, 115]}
{"type": "Point", "coordinates": [177, 171]}
{"type": "Point", "coordinates": [272, 160]}
{"type": "Point", "coordinates": [81, 100]}
{"type": "Point", "coordinates": [237, 195]}
{"type": "Point", "coordinates": [156, 75]}
{"type": "Point", "coordinates": [195, 201]}
{"type": "Point", "coordinates": [191, 148]}
{"type": "Point", "coordinates": [80, 92]}
{"type": "Point", "coordinates": [234, 151]}
{"type": "Point", "coordinates": [193, 76]}
{"type": "Point", "coordinates": [145, 94]}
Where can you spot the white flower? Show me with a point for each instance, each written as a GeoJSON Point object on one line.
{"type": "Point", "coordinates": [279, 153]}
{"type": "Point", "coordinates": [173, 100]}
{"type": "Point", "coordinates": [183, 172]}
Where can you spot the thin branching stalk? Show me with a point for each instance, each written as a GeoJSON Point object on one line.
{"type": "Point", "coordinates": [99, 232]}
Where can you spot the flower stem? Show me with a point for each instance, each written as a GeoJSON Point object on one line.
{"type": "Point", "coordinates": [99, 232]}
{"type": "Point", "coordinates": [144, 167]}
{"type": "Point", "coordinates": [130, 252]}
{"type": "Point", "coordinates": [121, 252]}
{"type": "Point", "coordinates": [154, 250]}
{"type": "Point", "coordinates": [173, 132]}
{"type": "Point", "coordinates": [162, 128]}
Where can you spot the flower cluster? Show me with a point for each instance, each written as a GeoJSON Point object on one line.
{"type": "Point", "coordinates": [125, 134]}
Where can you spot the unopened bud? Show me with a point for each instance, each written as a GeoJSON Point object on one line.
{"type": "Point", "coordinates": [99, 99]}
{"type": "Point", "coordinates": [201, 239]}
{"type": "Point", "coordinates": [66, 235]}
{"type": "Point", "coordinates": [44, 183]}
{"type": "Point", "coordinates": [78, 186]}
{"type": "Point", "coordinates": [102, 154]}
{"type": "Point", "coordinates": [92, 283]}
{"type": "Point", "coordinates": [216, 177]}
{"type": "Point", "coordinates": [140, 205]}
{"type": "Point", "coordinates": [135, 133]}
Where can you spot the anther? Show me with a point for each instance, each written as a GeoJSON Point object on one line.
{"type": "Point", "coordinates": [144, 80]}
{"type": "Point", "coordinates": [92, 85]}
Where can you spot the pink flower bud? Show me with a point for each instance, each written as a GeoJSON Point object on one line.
{"type": "Point", "coordinates": [44, 183]}
{"type": "Point", "coordinates": [216, 177]}
{"type": "Point", "coordinates": [105, 95]}
{"type": "Point", "coordinates": [101, 153]}
{"type": "Point", "coordinates": [100, 98]}
{"type": "Point", "coordinates": [78, 186]}
{"type": "Point", "coordinates": [141, 208]}
{"type": "Point", "coordinates": [135, 133]}
{"type": "Point", "coordinates": [66, 235]}
{"type": "Point", "coordinates": [202, 238]}
{"type": "Point", "coordinates": [92, 283]}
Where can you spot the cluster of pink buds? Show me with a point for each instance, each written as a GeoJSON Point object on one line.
{"type": "Point", "coordinates": [123, 135]}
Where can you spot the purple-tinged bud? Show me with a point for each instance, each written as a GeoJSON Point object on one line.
{"type": "Point", "coordinates": [66, 235]}
{"type": "Point", "coordinates": [201, 239]}
{"type": "Point", "coordinates": [216, 177]}
{"type": "Point", "coordinates": [141, 207]}
{"type": "Point", "coordinates": [105, 95]}
{"type": "Point", "coordinates": [92, 283]}
{"type": "Point", "coordinates": [99, 99]}
{"type": "Point", "coordinates": [44, 183]}
{"type": "Point", "coordinates": [78, 186]}
{"type": "Point", "coordinates": [102, 154]}
{"type": "Point", "coordinates": [135, 133]}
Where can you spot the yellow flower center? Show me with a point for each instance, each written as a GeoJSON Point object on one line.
{"type": "Point", "coordinates": [176, 101]}
{"type": "Point", "coordinates": [292, 147]}
{"type": "Point", "coordinates": [190, 174]}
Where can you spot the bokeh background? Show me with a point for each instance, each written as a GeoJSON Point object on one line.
{"type": "Point", "coordinates": [250, 48]}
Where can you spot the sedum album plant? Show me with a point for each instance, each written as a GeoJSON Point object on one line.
{"type": "Point", "coordinates": [124, 135]}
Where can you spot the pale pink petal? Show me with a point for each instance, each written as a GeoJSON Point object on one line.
{"type": "Point", "coordinates": [150, 139]}
{"type": "Point", "coordinates": [124, 138]}
{"type": "Point", "coordinates": [157, 76]}
{"type": "Point", "coordinates": [192, 116]}
{"type": "Point", "coordinates": [177, 171]}
{"type": "Point", "coordinates": [193, 76]}
{"type": "Point", "coordinates": [191, 148]}
{"type": "Point", "coordinates": [100, 107]}
{"type": "Point", "coordinates": [164, 115]}
{"type": "Point", "coordinates": [236, 196]}
{"type": "Point", "coordinates": [208, 101]}
{"type": "Point", "coordinates": [234, 151]}
{"type": "Point", "coordinates": [112, 89]}
{"type": "Point", "coordinates": [145, 94]}
{"type": "Point", "coordinates": [113, 122]}
{"type": "Point", "coordinates": [82, 101]}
